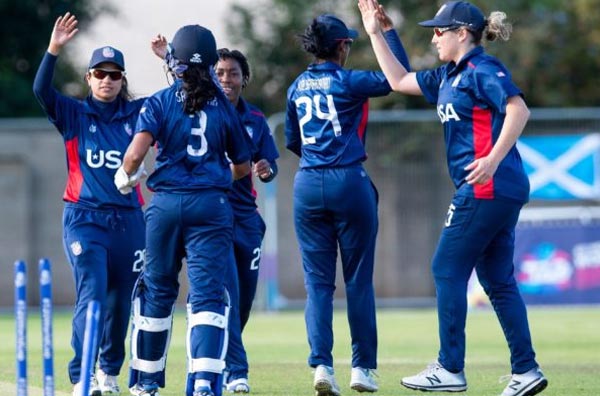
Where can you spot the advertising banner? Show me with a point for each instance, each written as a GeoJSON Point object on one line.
{"type": "Point", "coordinates": [557, 257]}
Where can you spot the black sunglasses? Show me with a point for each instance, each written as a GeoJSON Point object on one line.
{"type": "Point", "coordinates": [114, 75]}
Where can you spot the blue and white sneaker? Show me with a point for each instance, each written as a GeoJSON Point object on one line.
{"type": "Point", "coordinates": [144, 390]}
{"type": "Point", "coordinates": [203, 391]}
{"type": "Point", "coordinates": [238, 385]}
{"type": "Point", "coordinates": [362, 380]}
{"type": "Point", "coordinates": [109, 386]}
{"type": "Point", "coordinates": [324, 382]}
{"type": "Point", "coordinates": [436, 378]}
{"type": "Point", "coordinates": [526, 384]}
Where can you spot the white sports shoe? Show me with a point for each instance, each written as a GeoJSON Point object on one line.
{"type": "Point", "coordinates": [144, 390]}
{"type": "Point", "coordinates": [239, 385]}
{"type": "Point", "coordinates": [93, 391]}
{"type": "Point", "coordinates": [108, 384]}
{"type": "Point", "coordinates": [362, 380]}
{"type": "Point", "coordinates": [526, 384]}
{"type": "Point", "coordinates": [436, 378]}
{"type": "Point", "coordinates": [324, 383]}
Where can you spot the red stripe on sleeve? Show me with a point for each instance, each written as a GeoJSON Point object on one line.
{"type": "Point", "coordinates": [75, 177]}
{"type": "Point", "coordinates": [482, 142]}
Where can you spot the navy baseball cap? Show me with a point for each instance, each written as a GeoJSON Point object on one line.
{"type": "Point", "coordinates": [194, 45]}
{"type": "Point", "coordinates": [457, 14]}
{"type": "Point", "coordinates": [107, 54]}
{"type": "Point", "coordinates": [335, 28]}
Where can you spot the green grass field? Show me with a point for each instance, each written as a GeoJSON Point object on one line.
{"type": "Point", "coordinates": [567, 342]}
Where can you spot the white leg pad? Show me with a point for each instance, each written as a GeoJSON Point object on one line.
{"type": "Point", "coordinates": [207, 318]}
{"type": "Point", "coordinates": [149, 324]}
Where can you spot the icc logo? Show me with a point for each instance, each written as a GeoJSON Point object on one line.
{"type": "Point", "coordinates": [110, 159]}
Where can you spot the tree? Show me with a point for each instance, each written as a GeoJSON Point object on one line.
{"type": "Point", "coordinates": [554, 53]}
{"type": "Point", "coordinates": [25, 27]}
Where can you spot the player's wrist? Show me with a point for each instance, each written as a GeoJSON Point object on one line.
{"type": "Point", "coordinates": [269, 175]}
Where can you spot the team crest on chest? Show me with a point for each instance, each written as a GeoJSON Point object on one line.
{"type": "Point", "coordinates": [93, 128]}
{"type": "Point", "coordinates": [127, 128]}
{"type": "Point", "coordinates": [76, 248]}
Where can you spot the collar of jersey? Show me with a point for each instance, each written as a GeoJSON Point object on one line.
{"type": "Point", "coordinates": [454, 68]}
{"type": "Point", "coordinates": [124, 109]}
{"type": "Point", "coordinates": [324, 66]}
{"type": "Point", "coordinates": [242, 106]}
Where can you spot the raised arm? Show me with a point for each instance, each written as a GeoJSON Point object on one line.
{"type": "Point", "coordinates": [65, 28]}
{"type": "Point", "coordinates": [398, 77]}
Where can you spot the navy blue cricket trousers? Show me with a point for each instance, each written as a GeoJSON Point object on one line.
{"type": "Point", "coordinates": [242, 280]}
{"type": "Point", "coordinates": [106, 251]}
{"type": "Point", "coordinates": [480, 234]}
{"type": "Point", "coordinates": [196, 226]}
{"type": "Point", "coordinates": [338, 207]}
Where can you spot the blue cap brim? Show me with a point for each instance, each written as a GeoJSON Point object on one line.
{"type": "Point", "coordinates": [352, 34]}
{"type": "Point", "coordinates": [434, 23]}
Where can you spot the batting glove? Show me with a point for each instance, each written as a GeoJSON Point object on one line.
{"type": "Point", "coordinates": [125, 182]}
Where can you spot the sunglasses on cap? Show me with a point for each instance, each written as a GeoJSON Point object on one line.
{"type": "Point", "coordinates": [100, 74]}
{"type": "Point", "coordinates": [440, 31]}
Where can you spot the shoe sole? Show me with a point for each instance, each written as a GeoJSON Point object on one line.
{"type": "Point", "coordinates": [237, 390]}
{"type": "Point", "coordinates": [457, 388]}
{"type": "Point", "coordinates": [537, 388]}
{"type": "Point", "coordinates": [362, 388]}
{"type": "Point", "coordinates": [324, 388]}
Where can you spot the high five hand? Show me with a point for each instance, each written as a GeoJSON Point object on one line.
{"type": "Point", "coordinates": [369, 9]}
{"type": "Point", "coordinates": [65, 28]}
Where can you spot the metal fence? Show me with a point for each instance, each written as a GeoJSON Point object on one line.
{"type": "Point", "coordinates": [406, 162]}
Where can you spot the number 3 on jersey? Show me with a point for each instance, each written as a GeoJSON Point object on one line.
{"type": "Point", "coordinates": [198, 130]}
{"type": "Point", "coordinates": [330, 115]}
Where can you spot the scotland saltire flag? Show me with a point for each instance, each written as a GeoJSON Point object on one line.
{"type": "Point", "coordinates": [562, 167]}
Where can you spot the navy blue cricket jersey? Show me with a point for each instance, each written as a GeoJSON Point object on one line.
{"type": "Point", "coordinates": [243, 195]}
{"type": "Point", "coordinates": [96, 136]}
{"type": "Point", "coordinates": [471, 99]}
{"type": "Point", "coordinates": [190, 147]}
{"type": "Point", "coordinates": [328, 110]}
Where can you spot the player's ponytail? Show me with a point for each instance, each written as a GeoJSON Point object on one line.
{"type": "Point", "coordinates": [497, 27]}
{"type": "Point", "coordinates": [198, 86]}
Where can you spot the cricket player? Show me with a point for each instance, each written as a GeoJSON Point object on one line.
{"type": "Point", "coordinates": [103, 230]}
{"type": "Point", "coordinates": [482, 113]}
{"type": "Point", "coordinates": [335, 201]}
{"type": "Point", "coordinates": [233, 72]}
{"type": "Point", "coordinates": [197, 134]}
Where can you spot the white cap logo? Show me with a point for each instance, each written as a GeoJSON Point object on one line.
{"type": "Point", "coordinates": [108, 52]}
{"type": "Point", "coordinates": [196, 58]}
